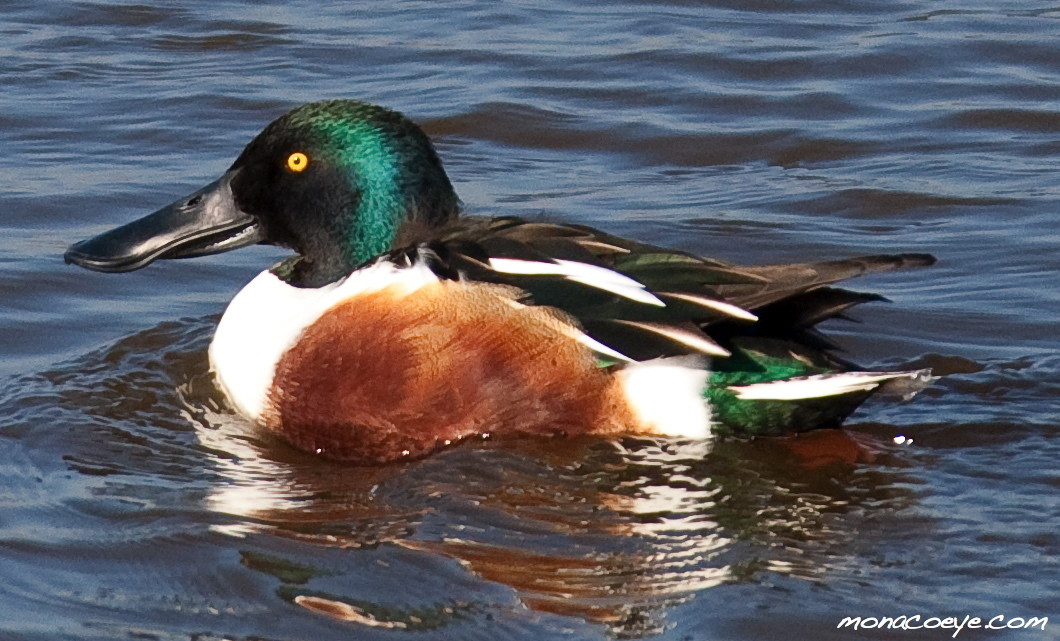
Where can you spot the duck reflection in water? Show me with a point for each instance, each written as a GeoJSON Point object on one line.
{"type": "Point", "coordinates": [604, 531]}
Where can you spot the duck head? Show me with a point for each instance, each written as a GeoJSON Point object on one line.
{"type": "Point", "coordinates": [334, 181]}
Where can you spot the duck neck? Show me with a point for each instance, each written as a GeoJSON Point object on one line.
{"type": "Point", "coordinates": [398, 179]}
{"type": "Point", "coordinates": [380, 221]}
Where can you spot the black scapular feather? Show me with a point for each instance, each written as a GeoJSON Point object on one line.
{"type": "Point", "coordinates": [789, 301]}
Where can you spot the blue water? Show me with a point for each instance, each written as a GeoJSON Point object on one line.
{"type": "Point", "coordinates": [134, 505]}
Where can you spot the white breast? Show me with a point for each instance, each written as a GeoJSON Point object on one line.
{"type": "Point", "coordinates": [267, 316]}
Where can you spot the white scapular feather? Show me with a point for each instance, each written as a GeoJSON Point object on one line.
{"type": "Point", "coordinates": [716, 305]}
{"type": "Point", "coordinates": [576, 334]}
{"type": "Point", "coordinates": [591, 275]}
{"type": "Point", "coordinates": [597, 346]}
{"type": "Point", "coordinates": [680, 336]}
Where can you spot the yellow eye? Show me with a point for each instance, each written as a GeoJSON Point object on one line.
{"type": "Point", "coordinates": [297, 161]}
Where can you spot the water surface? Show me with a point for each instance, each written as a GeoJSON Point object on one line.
{"type": "Point", "coordinates": [136, 506]}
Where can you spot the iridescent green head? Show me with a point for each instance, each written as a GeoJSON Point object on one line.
{"type": "Point", "coordinates": [334, 181]}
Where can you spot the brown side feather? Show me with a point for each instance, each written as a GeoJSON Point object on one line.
{"type": "Point", "coordinates": [385, 376]}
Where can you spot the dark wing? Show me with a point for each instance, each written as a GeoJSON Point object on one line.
{"type": "Point", "coordinates": [641, 300]}
{"type": "Point", "coordinates": [785, 281]}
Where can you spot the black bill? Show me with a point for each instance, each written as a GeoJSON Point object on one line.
{"type": "Point", "coordinates": [207, 222]}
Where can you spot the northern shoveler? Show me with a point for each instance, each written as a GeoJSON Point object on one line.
{"type": "Point", "coordinates": [400, 327]}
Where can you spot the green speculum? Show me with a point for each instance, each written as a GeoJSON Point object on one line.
{"type": "Point", "coordinates": [738, 417]}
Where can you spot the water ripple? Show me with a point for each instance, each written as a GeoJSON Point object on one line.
{"type": "Point", "coordinates": [136, 504]}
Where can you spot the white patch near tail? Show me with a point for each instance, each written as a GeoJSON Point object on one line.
{"type": "Point", "coordinates": [666, 394]}
{"type": "Point", "coordinates": [822, 385]}
{"type": "Point", "coordinates": [267, 316]}
{"type": "Point", "coordinates": [584, 273]}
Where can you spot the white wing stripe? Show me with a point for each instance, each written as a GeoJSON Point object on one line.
{"type": "Point", "coordinates": [817, 386]}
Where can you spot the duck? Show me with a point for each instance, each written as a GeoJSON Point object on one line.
{"type": "Point", "coordinates": [400, 326]}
